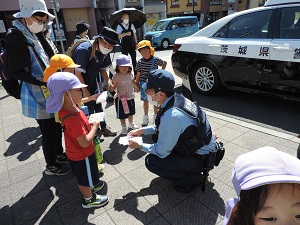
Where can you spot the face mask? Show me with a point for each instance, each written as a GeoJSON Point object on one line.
{"type": "Point", "coordinates": [126, 21]}
{"type": "Point", "coordinates": [104, 50]}
{"type": "Point", "coordinates": [149, 98]}
{"type": "Point", "coordinates": [35, 27]}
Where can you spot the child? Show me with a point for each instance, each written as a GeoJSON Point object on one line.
{"type": "Point", "coordinates": [65, 94]}
{"type": "Point", "coordinates": [267, 182]}
{"type": "Point", "coordinates": [147, 63]}
{"type": "Point", "coordinates": [123, 81]}
{"type": "Point", "coordinates": [64, 63]}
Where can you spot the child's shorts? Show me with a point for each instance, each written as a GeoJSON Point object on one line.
{"type": "Point", "coordinates": [143, 92]}
{"type": "Point", "coordinates": [86, 171]}
{"type": "Point", "coordinates": [120, 110]}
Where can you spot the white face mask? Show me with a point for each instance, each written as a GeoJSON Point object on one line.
{"type": "Point", "coordinates": [35, 27]}
{"type": "Point", "coordinates": [104, 50]}
{"type": "Point", "coordinates": [126, 21]}
{"type": "Point", "coordinates": [149, 98]}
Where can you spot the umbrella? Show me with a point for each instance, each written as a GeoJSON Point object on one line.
{"type": "Point", "coordinates": [136, 17]}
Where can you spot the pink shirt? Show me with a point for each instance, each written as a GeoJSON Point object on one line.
{"type": "Point", "coordinates": [123, 84]}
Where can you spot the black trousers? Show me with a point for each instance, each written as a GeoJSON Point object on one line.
{"type": "Point", "coordinates": [95, 108]}
{"type": "Point", "coordinates": [132, 54]}
{"type": "Point", "coordinates": [51, 139]}
{"type": "Point", "coordinates": [179, 170]}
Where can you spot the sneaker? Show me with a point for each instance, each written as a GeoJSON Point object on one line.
{"type": "Point", "coordinates": [132, 126]}
{"type": "Point", "coordinates": [109, 132]}
{"type": "Point", "coordinates": [98, 186]}
{"type": "Point", "coordinates": [124, 130]}
{"type": "Point", "coordinates": [145, 120]}
{"type": "Point", "coordinates": [154, 117]}
{"type": "Point", "coordinates": [62, 158]}
{"type": "Point", "coordinates": [57, 170]}
{"type": "Point", "coordinates": [95, 201]}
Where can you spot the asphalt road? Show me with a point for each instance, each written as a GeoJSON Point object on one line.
{"type": "Point", "coordinates": [277, 114]}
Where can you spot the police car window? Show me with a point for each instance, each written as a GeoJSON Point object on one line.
{"type": "Point", "coordinates": [252, 25]}
{"type": "Point", "coordinates": [290, 23]}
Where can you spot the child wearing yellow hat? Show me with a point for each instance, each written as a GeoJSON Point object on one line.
{"type": "Point", "coordinates": [147, 63]}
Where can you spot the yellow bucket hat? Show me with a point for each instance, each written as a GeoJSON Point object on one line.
{"type": "Point", "coordinates": [58, 61]}
{"type": "Point", "coordinates": [145, 43]}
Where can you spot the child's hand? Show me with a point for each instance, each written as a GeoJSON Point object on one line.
{"type": "Point", "coordinates": [96, 123]}
{"type": "Point", "coordinates": [137, 90]}
{"type": "Point", "coordinates": [94, 97]}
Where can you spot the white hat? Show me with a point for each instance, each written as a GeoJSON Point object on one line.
{"type": "Point", "coordinates": [29, 7]}
{"type": "Point", "coordinates": [260, 167]}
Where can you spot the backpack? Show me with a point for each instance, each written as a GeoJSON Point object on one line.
{"type": "Point", "coordinates": [11, 85]}
{"type": "Point", "coordinates": [71, 49]}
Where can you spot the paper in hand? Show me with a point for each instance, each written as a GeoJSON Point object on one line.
{"type": "Point", "coordinates": [102, 97]}
{"type": "Point", "coordinates": [124, 140]}
{"type": "Point", "coordinates": [99, 117]}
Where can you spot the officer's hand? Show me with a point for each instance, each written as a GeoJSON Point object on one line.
{"type": "Point", "coordinates": [133, 144]}
{"type": "Point", "coordinates": [134, 133]}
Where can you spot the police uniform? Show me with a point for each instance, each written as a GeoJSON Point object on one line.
{"type": "Point", "coordinates": [180, 169]}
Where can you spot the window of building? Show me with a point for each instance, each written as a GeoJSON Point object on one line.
{"type": "Point", "coordinates": [190, 2]}
{"type": "Point", "coordinates": [175, 2]}
{"type": "Point", "coordinates": [216, 2]}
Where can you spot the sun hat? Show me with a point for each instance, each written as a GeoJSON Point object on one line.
{"type": "Point", "coordinates": [145, 43]}
{"type": "Point", "coordinates": [57, 84]}
{"type": "Point", "coordinates": [161, 80]}
{"type": "Point", "coordinates": [260, 167]}
{"type": "Point", "coordinates": [29, 7]}
{"type": "Point", "coordinates": [109, 36]}
{"type": "Point", "coordinates": [81, 27]}
{"type": "Point", "coordinates": [58, 61]}
{"type": "Point", "coordinates": [123, 60]}
{"type": "Point", "coordinates": [263, 166]}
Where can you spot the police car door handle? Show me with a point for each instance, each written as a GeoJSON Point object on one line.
{"type": "Point", "coordinates": [283, 49]}
{"type": "Point", "coordinates": [214, 46]}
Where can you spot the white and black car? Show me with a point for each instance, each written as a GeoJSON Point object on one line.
{"type": "Point", "coordinates": [256, 50]}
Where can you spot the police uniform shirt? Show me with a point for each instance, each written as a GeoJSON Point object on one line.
{"type": "Point", "coordinates": [172, 125]}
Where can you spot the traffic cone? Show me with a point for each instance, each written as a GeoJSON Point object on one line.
{"type": "Point", "coordinates": [186, 90]}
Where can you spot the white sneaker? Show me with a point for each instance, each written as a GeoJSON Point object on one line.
{"type": "Point", "coordinates": [124, 130]}
{"type": "Point", "coordinates": [145, 120]}
{"type": "Point", "coordinates": [132, 126]}
{"type": "Point", "coordinates": [154, 117]}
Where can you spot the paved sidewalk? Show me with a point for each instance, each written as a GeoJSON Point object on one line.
{"type": "Point", "coordinates": [28, 196]}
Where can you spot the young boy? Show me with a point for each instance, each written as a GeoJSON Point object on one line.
{"type": "Point", "coordinates": [147, 63]}
{"type": "Point", "coordinates": [65, 94]}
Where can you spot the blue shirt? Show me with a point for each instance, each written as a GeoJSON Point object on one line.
{"type": "Point", "coordinates": [172, 124]}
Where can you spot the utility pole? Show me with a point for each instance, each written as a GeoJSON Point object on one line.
{"type": "Point", "coordinates": [55, 6]}
{"type": "Point", "coordinates": [193, 7]}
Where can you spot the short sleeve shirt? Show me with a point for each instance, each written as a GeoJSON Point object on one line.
{"type": "Point", "coordinates": [75, 126]}
{"type": "Point", "coordinates": [144, 65]}
{"type": "Point", "coordinates": [120, 29]}
{"type": "Point", "coordinates": [123, 83]}
{"type": "Point", "coordinates": [90, 68]}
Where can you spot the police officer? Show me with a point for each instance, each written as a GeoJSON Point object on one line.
{"type": "Point", "coordinates": [182, 134]}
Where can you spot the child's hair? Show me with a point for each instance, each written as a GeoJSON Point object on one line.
{"type": "Point", "coordinates": [251, 202]}
{"type": "Point", "coordinates": [117, 69]}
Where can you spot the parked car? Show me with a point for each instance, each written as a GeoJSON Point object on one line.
{"type": "Point", "coordinates": [256, 50]}
{"type": "Point", "coordinates": [165, 31]}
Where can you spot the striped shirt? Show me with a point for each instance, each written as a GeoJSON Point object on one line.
{"type": "Point", "coordinates": [143, 66]}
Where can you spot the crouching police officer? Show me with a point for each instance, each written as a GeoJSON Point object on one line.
{"type": "Point", "coordinates": [182, 134]}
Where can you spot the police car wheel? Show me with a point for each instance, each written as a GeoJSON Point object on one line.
{"type": "Point", "coordinates": [165, 43]}
{"type": "Point", "coordinates": [205, 78]}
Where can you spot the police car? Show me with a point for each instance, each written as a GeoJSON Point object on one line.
{"type": "Point", "coordinates": [256, 50]}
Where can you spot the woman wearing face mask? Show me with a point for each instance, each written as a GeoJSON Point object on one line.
{"type": "Point", "coordinates": [27, 62]}
{"type": "Point", "coordinates": [88, 72]}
